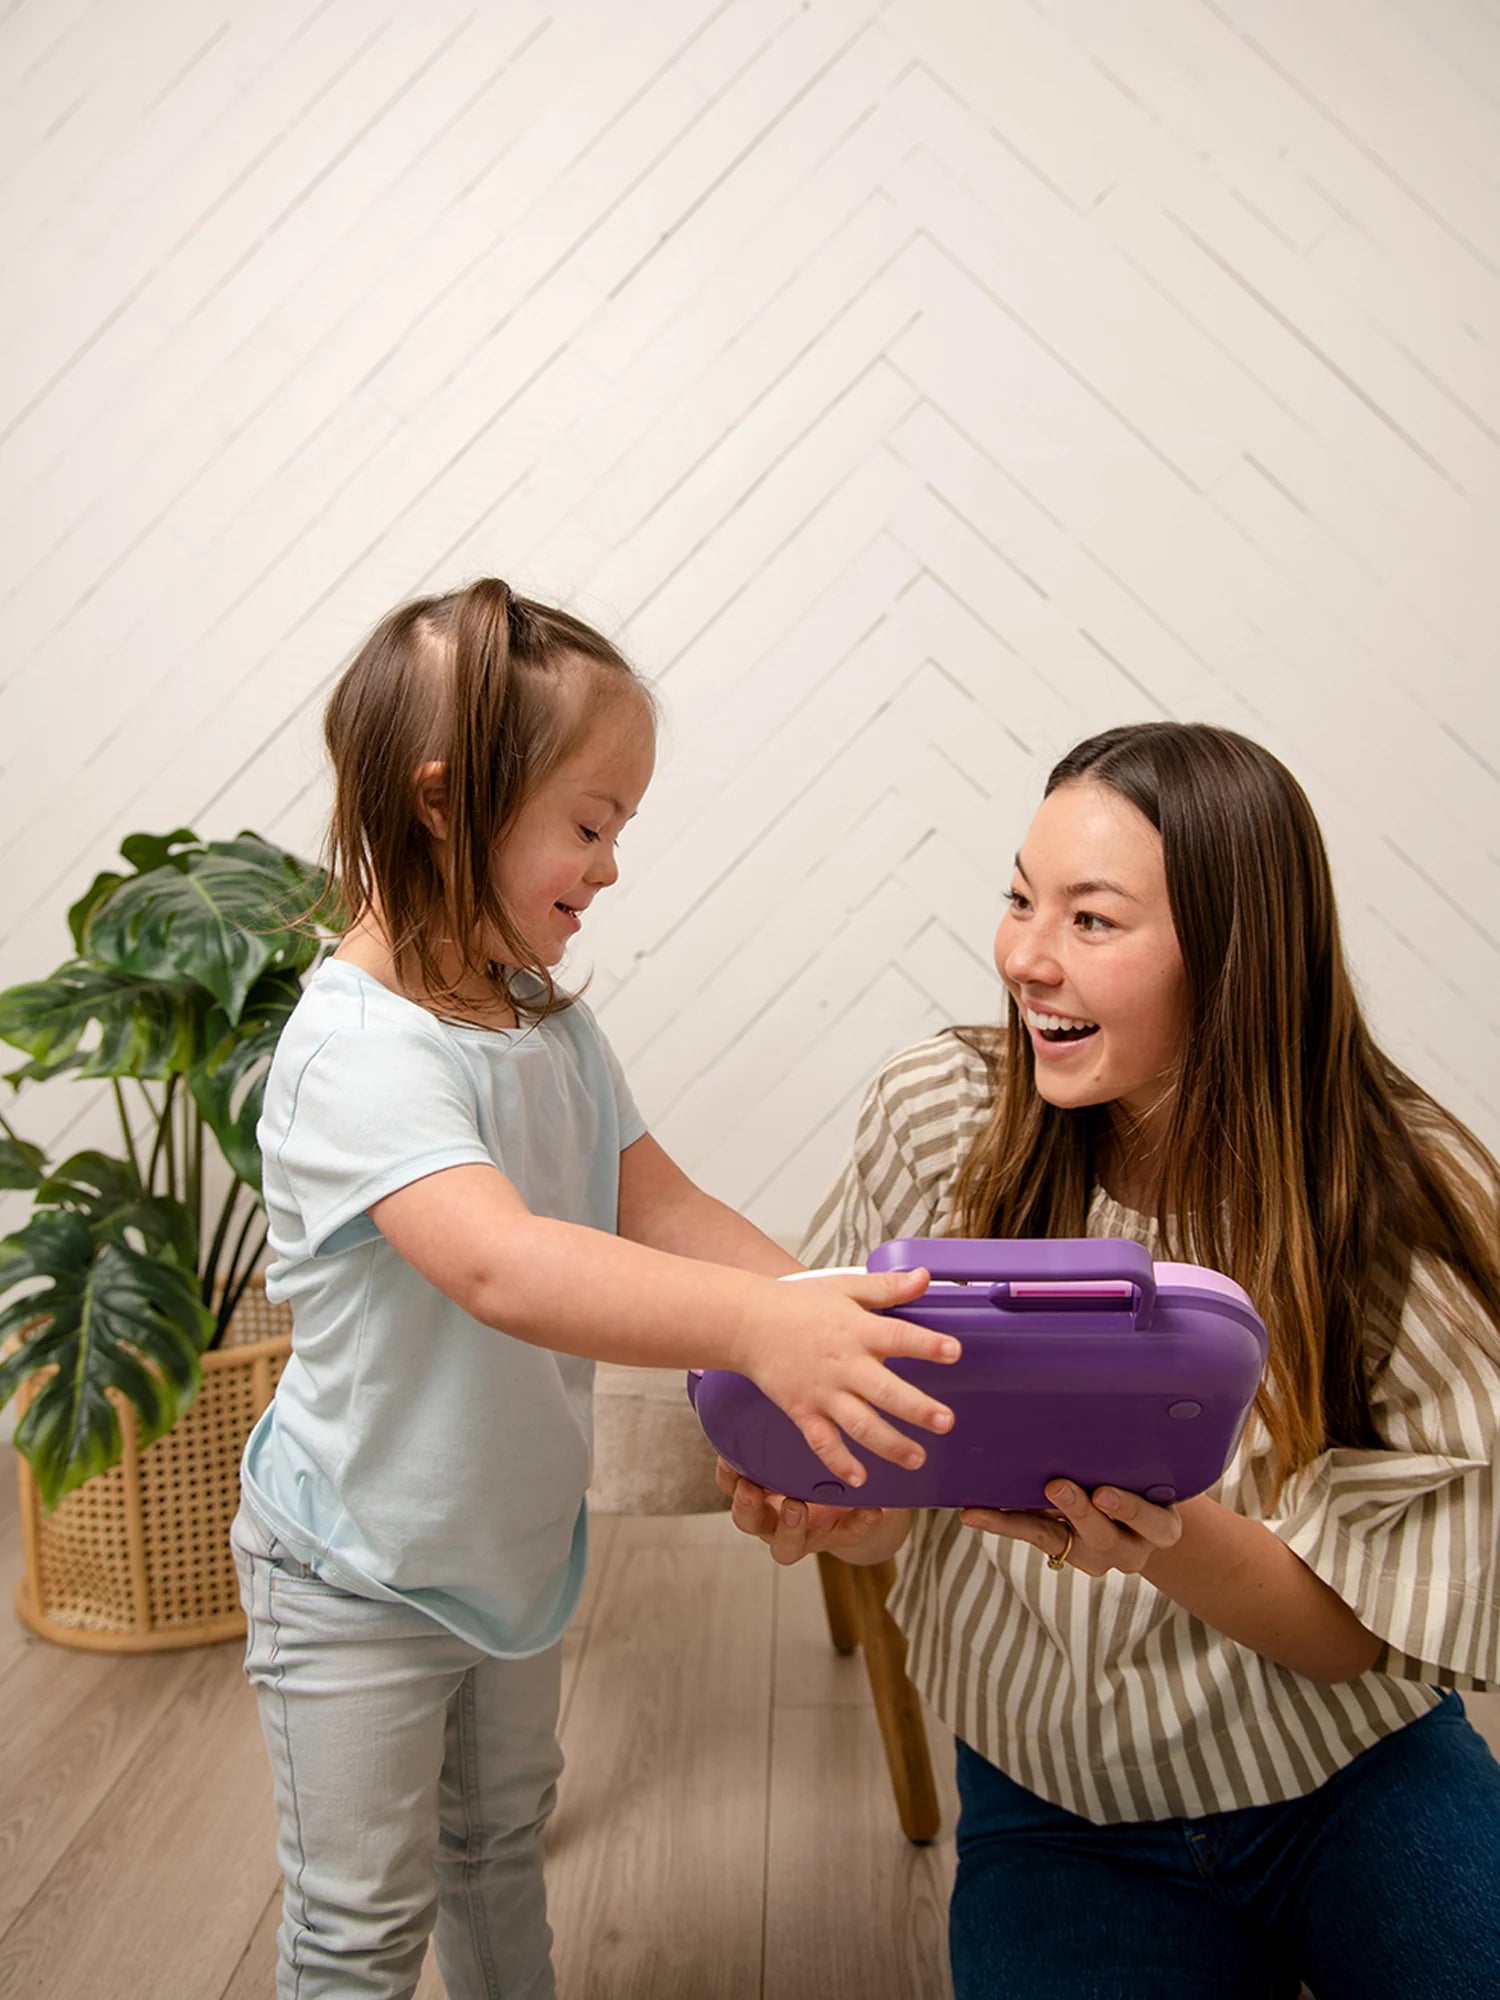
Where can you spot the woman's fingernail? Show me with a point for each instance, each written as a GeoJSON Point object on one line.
{"type": "Point", "coordinates": [1061, 1492]}
{"type": "Point", "coordinates": [943, 1421]}
{"type": "Point", "coordinates": [792, 1515]}
{"type": "Point", "coordinates": [1106, 1497]}
{"type": "Point", "coordinates": [950, 1350]}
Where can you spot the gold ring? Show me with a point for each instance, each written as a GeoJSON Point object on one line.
{"type": "Point", "coordinates": [1060, 1560]}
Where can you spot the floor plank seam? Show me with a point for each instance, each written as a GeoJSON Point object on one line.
{"type": "Point", "coordinates": [243, 1959]}
{"type": "Point", "coordinates": [203, 1663]}
{"type": "Point", "coordinates": [586, 1637]}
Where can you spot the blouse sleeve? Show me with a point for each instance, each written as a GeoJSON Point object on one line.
{"type": "Point", "coordinates": [1409, 1536]}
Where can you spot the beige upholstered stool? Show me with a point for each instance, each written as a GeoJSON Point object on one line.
{"type": "Point", "coordinates": [650, 1457]}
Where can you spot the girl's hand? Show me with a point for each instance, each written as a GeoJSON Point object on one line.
{"type": "Point", "coordinates": [816, 1349]}
{"type": "Point", "coordinates": [1111, 1530]}
{"type": "Point", "coordinates": [792, 1529]}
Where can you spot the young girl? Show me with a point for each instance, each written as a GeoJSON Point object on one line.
{"type": "Point", "coordinates": [466, 1211]}
{"type": "Point", "coordinates": [1203, 1750]}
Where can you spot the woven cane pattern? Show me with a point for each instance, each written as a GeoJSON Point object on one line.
{"type": "Point", "coordinates": [140, 1555]}
{"type": "Point", "coordinates": [83, 1568]}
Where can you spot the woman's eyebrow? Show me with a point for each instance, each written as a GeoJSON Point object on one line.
{"type": "Point", "coordinates": [1092, 888]}
{"type": "Point", "coordinates": [1099, 889]}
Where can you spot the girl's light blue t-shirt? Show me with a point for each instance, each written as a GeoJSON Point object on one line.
{"type": "Point", "coordinates": [410, 1451]}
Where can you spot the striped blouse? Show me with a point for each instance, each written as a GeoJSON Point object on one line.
{"type": "Point", "coordinates": [1105, 1696]}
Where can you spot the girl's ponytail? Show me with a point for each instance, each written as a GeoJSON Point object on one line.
{"type": "Point", "coordinates": [485, 752]}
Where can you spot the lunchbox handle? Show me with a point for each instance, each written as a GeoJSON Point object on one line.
{"type": "Point", "coordinates": [1034, 1274]}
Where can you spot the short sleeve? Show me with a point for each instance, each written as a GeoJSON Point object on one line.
{"type": "Point", "coordinates": [1409, 1536]}
{"type": "Point", "coordinates": [371, 1110]}
{"type": "Point", "coordinates": [632, 1124]}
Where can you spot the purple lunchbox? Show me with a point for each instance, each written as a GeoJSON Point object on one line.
{"type": "Point", "coordinates": [1081, 1359]}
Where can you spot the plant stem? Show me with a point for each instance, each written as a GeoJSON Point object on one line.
{"type": "Point", "coordinates": [192, 1146]}
{"type": "Point", "coordinates": [169, 1137]}
{"type": "Point", "coordinates": [235, 1283]}
{"type": "Point", "coordinates": [209, 1265]}
{"type": "Point", "coordinates": [160, 1119]}
{"type": "Point", "coordinates": [233, 1299]}
{"type": "Point", "coordinates": [125, 1132]}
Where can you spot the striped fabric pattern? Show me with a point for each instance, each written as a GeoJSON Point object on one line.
{"type": "Point", "coordinates": [1101, 1694]}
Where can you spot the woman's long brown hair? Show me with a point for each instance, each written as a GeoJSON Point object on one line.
{"type": "Point", "coordinates": [497, 689]}
{"type": "Point", "coordinates": [1297, 1157]}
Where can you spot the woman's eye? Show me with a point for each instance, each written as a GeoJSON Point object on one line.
{"type": "Point", "coordinates": [589, 832]}
{"type": "Point", "coordinates": [1017, 901]}
{"type": "Point", "coordinates": [1094, 925]}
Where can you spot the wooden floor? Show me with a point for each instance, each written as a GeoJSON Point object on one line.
{"type": "Point", "coordinates": [725, 1829]}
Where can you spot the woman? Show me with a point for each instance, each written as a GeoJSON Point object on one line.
{"type": "Point", "coordinates": [1203, 1749]}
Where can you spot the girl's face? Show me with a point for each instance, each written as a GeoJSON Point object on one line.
{"type": "Point", "coordinates": [1089, 953]}
{"type": "Point", "coordinates": [560, 850]}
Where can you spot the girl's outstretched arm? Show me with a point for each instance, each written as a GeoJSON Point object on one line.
{"type": "Point", "coordinates": [661, 1207]}
{"type": "Point", "coordinates": [816, 1349]}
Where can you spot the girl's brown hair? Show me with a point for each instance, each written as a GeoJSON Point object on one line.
{"type": "Point", "coordinates": [498, 690]}
{"type": "Point", "coordinates": [1297, 1157]}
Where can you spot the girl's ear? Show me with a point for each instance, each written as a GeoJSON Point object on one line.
{"type": "Point", "coordinates": [432, 798]}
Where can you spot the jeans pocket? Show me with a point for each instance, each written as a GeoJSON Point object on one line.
{"type": "Point", "coordinates": [287, 1564]}
{"type": "Point", "coordinates": [252, 1542]}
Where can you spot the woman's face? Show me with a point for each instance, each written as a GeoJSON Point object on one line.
{"type": "Point", "coordinates": [1088, 950]}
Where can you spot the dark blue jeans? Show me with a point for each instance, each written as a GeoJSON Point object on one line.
{"type": "Point", "coordinates": [1384, 1884]}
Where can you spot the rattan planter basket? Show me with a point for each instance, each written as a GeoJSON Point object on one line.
{"type": "Point", "coordinates": [137, 1560]}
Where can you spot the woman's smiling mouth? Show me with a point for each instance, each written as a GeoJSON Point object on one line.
{"type": "Point", "coordinates": [1058, 1031]}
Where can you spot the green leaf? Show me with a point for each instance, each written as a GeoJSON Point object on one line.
{"type": "Point", "coordinates": [220, 916]}
{"type": "Point", "coordinates": [89, 1184]}
{"type": "Point", "coordinates": [78, 915]}
{"type": "Point", "coordinates": [229, 1084]}
{"type": "Point", "coordinates": [108, 1194]}
{"type": "Point", "coordinates": [147, 1026]}
{"type": "Point", "coordinates": [110, 1318]}
{"type": "Point", "coordinates": [145, 851]}
{"type": "Point", "coordinates": [21, 1166]}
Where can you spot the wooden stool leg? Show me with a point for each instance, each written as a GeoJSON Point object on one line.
{"type": "Point", "coordinates": [898, 1708]}
{"type": "Point", "coordinates": [838, 1603]}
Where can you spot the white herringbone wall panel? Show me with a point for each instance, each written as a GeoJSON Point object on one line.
{"type": "Point", "coordinates": [913, 387]}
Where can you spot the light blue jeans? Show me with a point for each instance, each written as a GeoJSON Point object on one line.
{"type": "Point", "coordinates": [414, 1776]}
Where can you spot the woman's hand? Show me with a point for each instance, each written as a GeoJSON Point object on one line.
{"type": "Point", "coordinates": [818, 1349]}
{"type": "Point", "coordinates": [1110, 1530]}
{"type": "Point", "coordinates": [792, 1529]}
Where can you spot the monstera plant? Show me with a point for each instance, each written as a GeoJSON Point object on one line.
{"type": "Point", "coordinates": [129, 1268]}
